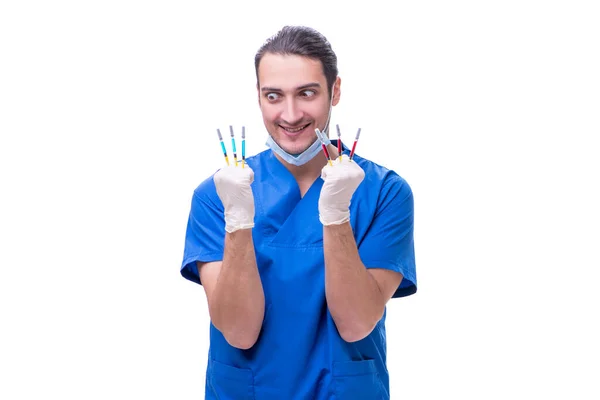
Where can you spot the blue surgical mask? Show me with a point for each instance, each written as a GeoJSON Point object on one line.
{"type": "Point", "coordinates": [308, 154]}
{"type": "Point", "coordinates": [297, 159]}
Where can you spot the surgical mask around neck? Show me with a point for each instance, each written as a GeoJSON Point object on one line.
{"type": "Point", "coordinates": [301, 158]}
{"type": "Point", "coordinates": [308, 154]}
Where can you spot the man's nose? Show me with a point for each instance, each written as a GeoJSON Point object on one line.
{"type": "Point", "coordinates": [291, 112]}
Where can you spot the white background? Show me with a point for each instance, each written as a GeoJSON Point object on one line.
{"type": "Point", "coordinates": [108, 112]}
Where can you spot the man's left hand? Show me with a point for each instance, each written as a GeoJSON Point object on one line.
{"type": "Point", "coordinates": [340, 182]}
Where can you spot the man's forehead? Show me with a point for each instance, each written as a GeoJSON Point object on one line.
{"type": "Point", "coordinates": [289, 72]}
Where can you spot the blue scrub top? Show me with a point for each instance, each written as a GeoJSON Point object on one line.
{"type": "Point", "coordinates": [299, 353]}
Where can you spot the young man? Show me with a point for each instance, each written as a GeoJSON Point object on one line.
{"type": "Point", "coordinates": [298, 257]}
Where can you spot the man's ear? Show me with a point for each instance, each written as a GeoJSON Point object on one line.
{"type": "Point", "coordinates": [337, 90]}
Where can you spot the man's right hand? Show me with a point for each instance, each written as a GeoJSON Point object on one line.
{"type": "Point", "coordinates": [234, 190]}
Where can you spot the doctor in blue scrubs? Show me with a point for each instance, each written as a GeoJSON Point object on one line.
{"type": "Point", "coordinates": [298, 257]}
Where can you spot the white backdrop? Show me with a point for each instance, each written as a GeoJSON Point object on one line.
{"type": "Point", "coordinates": [108, 113]}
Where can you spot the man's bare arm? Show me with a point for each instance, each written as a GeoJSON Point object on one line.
{"type": "Point", "coordinates": [356, 296]}
{"type": "Point", "coordinates": [234, 291]}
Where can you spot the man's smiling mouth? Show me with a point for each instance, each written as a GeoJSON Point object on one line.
{"type": "Point", "coordinates": [294, 130]}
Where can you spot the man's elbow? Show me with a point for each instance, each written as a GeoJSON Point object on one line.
{"type": "Point", "coordinates": [356, 328]}
{"type": "Point", "coordinates": [356, 332]}
{"type": "Point", "coordinates": [242, 339]}
{"type": "Point", "coordinates": [242, 342]}
{"type": "Point", "coordinates": [239, 335]}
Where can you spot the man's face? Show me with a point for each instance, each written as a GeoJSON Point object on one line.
{"type": "Point", "coordinates": [293, 99]}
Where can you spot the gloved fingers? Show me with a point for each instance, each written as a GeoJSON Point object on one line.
{"type": "Point", "coordinates": [342, 171]}
{"type": "Point", "coordinates": [235, 175]}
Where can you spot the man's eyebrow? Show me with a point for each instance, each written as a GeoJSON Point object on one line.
{"type": "Point", "coordinates": [307, 86]}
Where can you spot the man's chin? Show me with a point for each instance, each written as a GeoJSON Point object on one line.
{"type": "Point", "coordinates": [296, 150]}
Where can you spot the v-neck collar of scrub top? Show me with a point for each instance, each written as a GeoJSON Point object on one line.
{"type": "Point", "coordinates": [286, 218]}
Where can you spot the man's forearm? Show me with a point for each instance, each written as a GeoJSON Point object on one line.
{"type": "Point", "coordinates": [353, 296]}
{"type": "Point", "coordinates": [238, 301]}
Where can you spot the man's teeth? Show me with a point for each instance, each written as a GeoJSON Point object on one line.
{"type": "Point", "coordinates": [294, 129]}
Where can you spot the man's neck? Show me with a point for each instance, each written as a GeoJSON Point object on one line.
{"type": "Point", "coordinates": [306, 174]}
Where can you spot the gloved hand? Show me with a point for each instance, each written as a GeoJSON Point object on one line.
{"type": "Point", "coordinates": [340, 182]}
{"type": "Point", "coordinates": [233, 188]}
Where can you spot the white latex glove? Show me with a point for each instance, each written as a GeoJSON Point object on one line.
{"type": "Point", "coordinates": [340, 182]}
{"type": "Point", "coordinates": [233, 188]}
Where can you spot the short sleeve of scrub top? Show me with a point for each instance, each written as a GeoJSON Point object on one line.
{"type": "Point", "coordinates": [205, 231]}
{"type": "Point", "coordinates": [389, 242]}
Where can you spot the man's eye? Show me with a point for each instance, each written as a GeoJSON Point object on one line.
{"type": "Point", "coordinates": [308, 93]}
{"type": "Point", "coordinates": [272, 96]}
